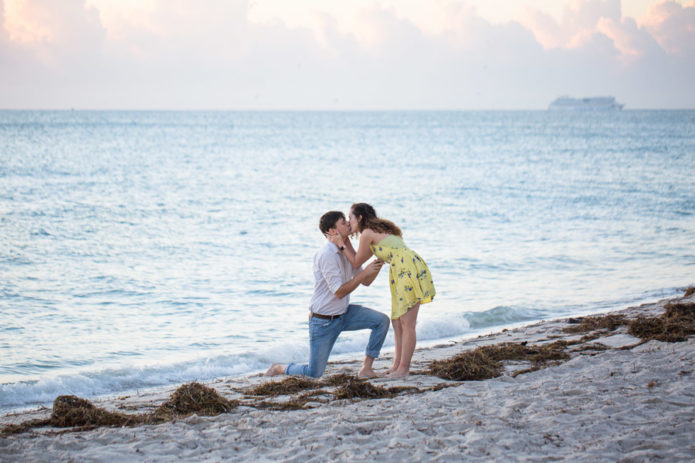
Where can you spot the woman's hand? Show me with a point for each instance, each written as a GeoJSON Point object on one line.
{"type": "Point", "coordinates": [335, 239]}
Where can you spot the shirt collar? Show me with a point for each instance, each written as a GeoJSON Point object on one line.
{"type": "Point", "coordinates": [333, 247]}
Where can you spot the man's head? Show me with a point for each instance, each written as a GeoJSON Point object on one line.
{"type": "Point", "coordinates": [334, 222]}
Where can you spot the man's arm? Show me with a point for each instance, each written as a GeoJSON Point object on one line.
{"type": "Point", "coordinates": [365, 276]}
{"type": "Point", "coordinates": [368, 281]}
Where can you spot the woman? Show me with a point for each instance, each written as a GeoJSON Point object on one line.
{"type": "Point", "coordinates": [410, 279]}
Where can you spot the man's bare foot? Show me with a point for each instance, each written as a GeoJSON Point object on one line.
{"type": "Point", "coordinates": [275, 370]}
{"type": "Point", "coordinates": [367, 373]}
{"type": "Point", "coordinates": [391, 370]}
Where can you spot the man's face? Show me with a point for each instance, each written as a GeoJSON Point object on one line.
{"type": "Point", "coordinates": [342, 228]}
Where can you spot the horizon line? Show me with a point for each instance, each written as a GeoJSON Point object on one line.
{"type": "Point", "coordinates": [343, 110]}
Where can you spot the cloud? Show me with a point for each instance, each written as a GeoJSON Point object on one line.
{"type": "Point", "coordinates": [581, 15]}
{"type": "Point", "coordinates": [630, 41]}
{"type": "Point", "coordinates": [178, 54]}
{"type": "Point", "coordinates": [68, 30]}
{"type": "Point", "coordinates": [672, 26]}
{"type": "Point", "coordinates": [178, 27]}
{"type": "Point", "coordinates": [579, 21]}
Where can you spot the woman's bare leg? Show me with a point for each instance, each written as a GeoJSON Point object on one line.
{"type": "Point", "coordinates": [397, 335]}
{"type": "Point", "coordinates": [408, 340]}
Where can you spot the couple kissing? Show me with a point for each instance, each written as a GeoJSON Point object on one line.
{"type": "Point", "coordinates": [339, 269]}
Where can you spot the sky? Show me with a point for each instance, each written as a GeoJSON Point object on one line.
{"type": "Point", "coordinates": [344, 55]}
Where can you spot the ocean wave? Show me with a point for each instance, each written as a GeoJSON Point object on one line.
{"type": "Point", "coordinates": [503, 315]}
{"type": "Point", "coordinates": [124, 380]}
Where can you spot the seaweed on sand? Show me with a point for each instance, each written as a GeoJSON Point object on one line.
{"type": "Point", "coordinates": [689, 291]}
{"type": "Point", "coordinates": [485, 362]}
{"type": "Point", "coordinates": [347, 387]}
{"type": "Point", "coordinates": [27, 425]}
{"type": "Point", "coordinates": [337, 380]}
{"type": "Point", "coordinates": [70, 411]}
{"type": "Point", "coordinates": [286, 386]}
{"type": "Point", "coordinates": [521, 351]}
{"type": "Point", "coordinates": [470, 365]}
{"type": "Point", "coordinates": [358, 388]}
{"type": "Point", "coordinates": [294, 403]}
{"type": "Point", "coordinates": [295, 384]}
{"type": "Point", "coordinates": [193, 398]}
{"type": "Point", "coordinates": [602, 322]}
{"type": "Point", "coordinates": [674, 325]}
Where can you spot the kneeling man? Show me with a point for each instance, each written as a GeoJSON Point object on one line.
{"type": "Point", "coordinates": [331, 311]}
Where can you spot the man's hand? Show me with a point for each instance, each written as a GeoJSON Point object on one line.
{"type": "Point", "coordinates": [374, 266]}
{"type": "Point", "coordinates": [372, 270]}
{"type": "Point", "coordinates": [365, 277]}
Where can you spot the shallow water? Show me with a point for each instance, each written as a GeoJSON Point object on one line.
{"type": "Point", "coordinates": [150, 248]}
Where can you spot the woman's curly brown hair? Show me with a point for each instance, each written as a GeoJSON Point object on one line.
{"type": "Point", "coordinates": [367, 218]}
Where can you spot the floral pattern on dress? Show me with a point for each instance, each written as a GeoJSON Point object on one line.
{"type": "Point", "coordinates": [409, 277]}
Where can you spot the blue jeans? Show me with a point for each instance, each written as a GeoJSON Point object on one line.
{"type": "Point", "coordinates": [323, 333]}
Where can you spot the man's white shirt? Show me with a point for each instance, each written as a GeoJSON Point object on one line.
{"type": "Point", "coordinates": [331, 271]}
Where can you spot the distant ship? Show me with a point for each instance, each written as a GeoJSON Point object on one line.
{"type": "Point", "coordinates": [592, 103]}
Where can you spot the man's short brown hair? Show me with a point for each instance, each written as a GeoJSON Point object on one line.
{"type": "Point", "coordinates": [329, 219]}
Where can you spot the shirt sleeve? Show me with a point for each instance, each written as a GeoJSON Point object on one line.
{"type": "Point", "coordinates": [354, 270]}
{"type": "Point", "coordinates": [330, 269]}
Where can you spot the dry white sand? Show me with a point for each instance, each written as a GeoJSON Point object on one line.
{"type": "Point", "coordinates": [617, 404]}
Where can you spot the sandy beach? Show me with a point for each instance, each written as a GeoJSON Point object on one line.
{"type": "Point", "coordinates": [607, 396]}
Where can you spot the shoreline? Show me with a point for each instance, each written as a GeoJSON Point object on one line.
{"type": "Point", "coordinates": [608, 401]}
{"type": "Point", "coordinates": [95, 381]}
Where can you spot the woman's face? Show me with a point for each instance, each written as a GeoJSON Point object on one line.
{"type": "Point", "coordinates": [354, 223]}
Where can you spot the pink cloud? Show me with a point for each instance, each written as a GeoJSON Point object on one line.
{"type": "Point", "coordinates": [547, 31]}
{"type": "Point", "coordinates": [176, 54]}
{"type": "Point", "coordinates": [672, 26]}
{"type": "Point", "coordinates": [630, 40]}
{"type": "Point", "coordinates": [579, 22]}
{"type": "Point", "coordinates": [585, 14]}
{"type": "Point", "coordinates": [40, 23]}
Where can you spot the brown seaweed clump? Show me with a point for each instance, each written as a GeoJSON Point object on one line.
{"type": "Point", "coordinates": [485, 362]}
{"type": "Point", "coordinates": [603, 322]}
{"type": "Point", "coordinates": [294, 403]}
{"type": "Point", "coordinates": [521, 351]}
{"type": "Point", "coordinates": [25, 426]}
{"type": "Point", "coordinates": [347, 387]}
{"type": "Point", "coordinates": [286, 386]}
{"type": "Point", "coordinates": [470, 365]}
{"type": "Point", "coordinates": [689, 291]}
{"type": "Point", "coordinates": [674, 325]}
{"type": "Point", "coordinates": [194, 398]}
{"type": "Point", "coordinates": [71, 411]}
{"type": "Point", "coordinates": [337, 379]}
{"type": "Point", "coordinates": [358, 388]}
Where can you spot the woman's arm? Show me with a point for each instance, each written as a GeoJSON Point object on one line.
{"type": "Point", "coordinates": [364, 252]}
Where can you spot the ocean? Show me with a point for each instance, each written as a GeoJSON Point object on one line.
{"type": "Point", "coordinates": [145, 249]}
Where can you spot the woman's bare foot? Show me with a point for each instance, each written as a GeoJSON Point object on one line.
{"type": "Point", "coordinates": [275, 370]}
{"type": "Point", "coordinates": [391, 370]}
{"type": "Point", "coordinates": [398, 374]}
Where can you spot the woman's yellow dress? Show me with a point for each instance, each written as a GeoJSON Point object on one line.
{"type": "Point", "coordinates": [410, 279]}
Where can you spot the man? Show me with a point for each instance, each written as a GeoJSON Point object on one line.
{"type": "Point", "coordinates": [331, 311]}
